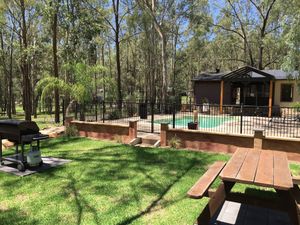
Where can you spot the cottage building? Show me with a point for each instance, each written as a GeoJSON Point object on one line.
{"type": "Point", "coordinates": [247, 86]}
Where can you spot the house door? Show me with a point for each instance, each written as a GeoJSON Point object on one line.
{"type": "Point", "coordinates": [236, 96]}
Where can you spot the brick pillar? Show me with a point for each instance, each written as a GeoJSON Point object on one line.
{"type": "Point", "coordinates": [258, 138]}
{"type": "Point", "coordinates": [195, 116]}
{"type": "Point", "coordinates": [133, 129]}
{"type": "Point", "coordinates": [164, 127]}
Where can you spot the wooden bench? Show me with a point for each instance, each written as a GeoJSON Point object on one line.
{"type": "Point", "coordinates": [201, 187]}
{"type": "Point", "coordinates": [295, 194]}
{"type": "Point", "coordinates": [296, 179]}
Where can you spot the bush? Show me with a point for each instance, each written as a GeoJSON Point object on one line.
{"type": "Point", "coordinates": [296, 105]}
{"type": "Point", "coordinates": [114, 115]}
{"type": "Point", "coordinates": [118, 139]}
{"type": "Point", "coordinates": [175, 142]}
{"type": "Point", "coordinates": [71, 131]}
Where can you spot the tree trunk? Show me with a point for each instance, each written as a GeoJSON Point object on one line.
{"type": "Point", "coordinates": [55, 62]}
{"type": "Point", "coordinates": [25, 66]}
{"type": "Point", "coordinates": [164, 69]}
{"type": "Point", "coordinates": [13, 104]}
{"type": "Point", "coordinates": [4, 93]}
{"type": "Point", "coordinates": [117, 43]}
{"type": "Point", "coordinates": [10, 80]}
{"type": "Point", "coordinates": [260, 57]}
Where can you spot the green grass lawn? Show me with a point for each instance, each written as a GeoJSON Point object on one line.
{"type": "Point", "coordinates": [108, 183]}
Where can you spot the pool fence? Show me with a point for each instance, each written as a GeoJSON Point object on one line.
{"type": "Point", "coordinates": [228, 119]}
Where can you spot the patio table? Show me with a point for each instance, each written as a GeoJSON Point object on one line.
{"type": "Point", "coordinates": [263, 168]}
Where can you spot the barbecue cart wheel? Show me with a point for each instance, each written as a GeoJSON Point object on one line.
{"type": "Point", "coordinates": [21, 167]}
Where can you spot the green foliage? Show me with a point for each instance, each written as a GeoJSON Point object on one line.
{"type": "Point", "coordinates": [114, 115]}
{"type": "Point", "coordinates": [118, 138]}
{"type": "Point", "coordinates": [109, 87]}
{"type": "Point", "coordinates": [80, 90]}
{"type": "Point", "coordinates": [200, 35]}
{"type": "Point", "coordinates": [175, 142]}
{"type": "Point", "coordinates": [71, 131]}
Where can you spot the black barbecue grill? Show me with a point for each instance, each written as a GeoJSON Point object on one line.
{"type": "Point", "coordinates": [21, 133]}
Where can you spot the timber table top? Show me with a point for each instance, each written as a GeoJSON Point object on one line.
{"type": "Point", "coordinates": [259, 167]}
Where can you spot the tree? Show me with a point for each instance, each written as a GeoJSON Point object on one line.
{"type": "Point", "coordinates": [151, 9]}
{"type": "Point", "coordinates": [252, 21]}
{"type": "Point", "coordinates": [55, 58]}
{"type": "Point", "coordinates": [80, 91]}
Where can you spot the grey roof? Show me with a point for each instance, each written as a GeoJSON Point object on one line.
{"type": "Point", "coordinates": [278, 75]}
{"type": "Point", "coordinates": [207, 76]}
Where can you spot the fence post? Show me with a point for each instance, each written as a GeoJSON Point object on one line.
{"type": "Point", "coordinates": [258, 138]}
{"type": "Point", "coordinates": [152, 117]}
{"type": "Point", "coordinates": [241, 123]}
{"type": "Point", "coordinates": [174, 114]}
{"type": "Point", "coordinates": [63, 111]}
{"type": "Point", "coordinates": [76, 111]}
{"type": "Point", "coordinates": [132, 129]}
{"type": "Point", "coordinates": [103, 111]}
{"type": "Point", "coordinates": [96, 111]}
{"type": "Point", "coordinates": [164, 127]}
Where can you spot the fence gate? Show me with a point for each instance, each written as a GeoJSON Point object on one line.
{"type": "Point", "coordinates": [152, 115]}
{"type": "Point", "coordinates": [146, 118]}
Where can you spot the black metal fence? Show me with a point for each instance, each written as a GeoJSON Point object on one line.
{"type": "Point", "coordinates": [231, 119]}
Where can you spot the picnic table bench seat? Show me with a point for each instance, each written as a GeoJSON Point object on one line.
{"type": "Point", "coordinates": [201, 187]}
{"type": "Point", "coordinates": [296, 179]}
{"type": "Point", "coordinates": [295, 192]}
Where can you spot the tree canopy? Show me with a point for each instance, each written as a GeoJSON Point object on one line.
{"type": "Point", "coordinates": [141, 50]}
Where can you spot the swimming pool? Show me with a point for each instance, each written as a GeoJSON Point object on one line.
{"type": "Point", "coordinates": [204, 121]}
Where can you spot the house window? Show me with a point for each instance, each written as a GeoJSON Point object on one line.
{"type": "Point", "coordinates": [287, 92]}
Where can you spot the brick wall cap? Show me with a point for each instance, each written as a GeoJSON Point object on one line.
{"type": "Point", "coordinates": [209, 132]}
{"type": "Point", "coordinates": [258, 129]}
{"type": "Point", "coordinates": [283, 139]}
{"type": "Point", "coordinates": [134, 120]}
{"type": "Point", "coordinates": [98, 123]}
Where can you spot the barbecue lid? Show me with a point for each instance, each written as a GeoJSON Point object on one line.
{"type": "Point", "coordinates": [20, 125]}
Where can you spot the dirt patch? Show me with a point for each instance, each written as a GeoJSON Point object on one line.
{"type": "Point", "coordinates": [4, 206]}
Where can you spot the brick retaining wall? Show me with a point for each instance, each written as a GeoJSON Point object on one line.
{"type": "Point", "coordinates": [106, 131]}
{"type": "Point", "coordinates": [210, 141]}
{"type": "Point", "coordinates": [228, 143]}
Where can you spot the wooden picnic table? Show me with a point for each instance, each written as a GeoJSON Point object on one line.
{"type": "Point", "coordinates": [263, 168]}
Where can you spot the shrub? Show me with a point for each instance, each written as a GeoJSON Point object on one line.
{"type": "Point", "coordinates": [118, 138]}
{"type": "Point", "coordinates": [71, 131]}
{"type": "Point", "coordinates": [296, 105]}
{"type": "Point", "coordinates": [114, 115]}
{"type": "Point", "coordinates": [175, 142]}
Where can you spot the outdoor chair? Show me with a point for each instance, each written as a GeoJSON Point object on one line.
{"type": "Point", "coordinates": [285, 119]}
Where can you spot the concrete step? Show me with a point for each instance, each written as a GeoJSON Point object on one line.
{"type": "Point", "coordinates": [149, 143]}
{"type": "Point", "coordinates": [145, 145]}
{"type": "Point", "coordinates": [147, 140]}
{"type": "Point", "coordinates": [150, 139]}
{"type": "Point", "coordinates": [136, 141]}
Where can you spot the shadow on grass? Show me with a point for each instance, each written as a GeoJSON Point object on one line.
{"type": "Point", "coordinates": [117, 176]}
{"type": "Point", "coordinates": [51, 143]}
{"type": "Point", "coordinates": [15, 216]}
{"type": "Point", "coordinates": [157, 200]}
{"type": "Point", "coordinates": [268, 194]}
{"type": "Point", "coordinates": [81, 203]}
